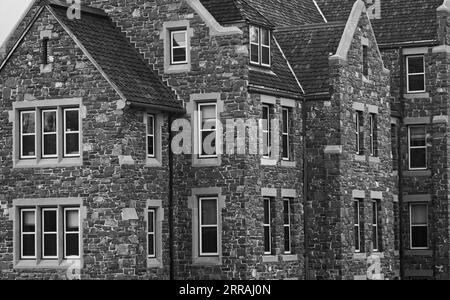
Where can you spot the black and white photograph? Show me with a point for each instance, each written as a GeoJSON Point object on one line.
{"type": "Point", "coordinates": [224, 145]}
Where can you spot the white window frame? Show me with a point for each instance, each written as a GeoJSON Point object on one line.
{"type": "Point", "coordinates": [153, 135]}
{"type": "Point", "coordinates": [412, 74]}
{"type": "Point", "coordinates": [43, 210]}
{"type": "Point", "coordinates": [172, 47]}
{"type": "Point", "coordinates": [23, 257]}
{"type": "Point", "coordinates": [267, 132]}
{"type": "Point", "coordinates": [289, 202]}
{"type": "Point", "coordinates": [375, 226]}
{"type": "Point", "coordinates": [43, 134]}
{"type": "Point", "coordinates": [201, 226]}
{"type": "Point", "coordinates": [66, 209]}
{"type": "Point", "coordinates": [418, 225]}
{"type": "Point", "coordinates": [287, 133]}
{"type": "Point", "coordinates": [265, 46]}
{"type": "Point", "coordinates": [21, 134]}
{"type": "Point", "coordinates": [65, 133]}
{"type": "Point", "coordinates": [417, 147]}
{"type": "Point", "coordinates": [357, 225]}
{"type": "Point", "coordinates": [269, 225]}
{"type": "Point", "coordinates": [154, 211]}
{"type": "Point", "coordinates": [201, 130]}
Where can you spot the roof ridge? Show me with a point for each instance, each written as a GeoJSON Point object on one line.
{"type": "Point", "coordinates": [311, 26]}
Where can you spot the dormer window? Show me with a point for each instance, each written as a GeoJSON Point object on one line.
{"type": "Point", "coordinates": [178, 47]}
{"type": "Point", "coordinates": [260, 46]}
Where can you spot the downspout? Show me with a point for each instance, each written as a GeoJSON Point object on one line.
{"type": "Point", "coordinates": [305, 192]}
{"type": "Point", "coordinates": [400, 164]}
{"type": "Point", "coordinates": [171, 217]}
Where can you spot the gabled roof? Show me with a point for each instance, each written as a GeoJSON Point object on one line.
{"type": "Point", "coordinates": [308, 49]}
{"type": "Point", "coordinates": [279, 13]}
{"type": "Point", "coordinates": [402, 21]}
{"type": "Point", "coordinates": [115, 57]}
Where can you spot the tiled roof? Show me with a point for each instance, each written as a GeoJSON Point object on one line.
{"type": "Point", "coordinates": [401, 20]}
{"type": "Point", "coordinates": [277, 12]}
{"type": "Point", "coordinates": [308, 48]}
{"type": "Point", "coordinates": [116, 56]}
{"type": "Point", "coordinates": [279, 77]}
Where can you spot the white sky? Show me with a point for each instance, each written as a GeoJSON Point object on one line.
{"type": "Point", "coordinates": [10, 13]}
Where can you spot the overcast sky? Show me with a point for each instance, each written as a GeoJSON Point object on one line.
{"type": "Point", "coordinates": [10, 13]}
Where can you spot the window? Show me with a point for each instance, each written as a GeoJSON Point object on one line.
{"type": "Point", "coordinates": [376, 240]}
{"type": "Point", "coordinates": [45, 51]}
{"type": "Point", "coordinates": [419, 226]}
{"type": "Point", "coordinates": [373, 135]}
{"type": "Point", "coordinates": [286, 130]}
{"type": "Point", "coordinates": [27, 134]}
{"type": "Point", "coordinates": [151, 233]}
{"type": "Point", "coordinates": [267, 226]}
{"type": "Point", "coordinates": [260, 46]}
{"type": "Point", "coordinates": [415, 68]}
{"type": "Point", "coordinates": [287, 226]}
{"type": "Point", "coordinates": [151, 136]}
{"type": "Point", "coordinates": [267, 131]}
{"type": "Point", "coordinates": [358, 210]}
{"type": "Point", "coordinates": [49, 134]}
{"type": "Point", "coordinates": [178, 47]}
{"type": "Point", "coordinates": [365, 61]}
{"type": "Point", "coordinates": [71, 132]}
{"type": "Point", "coordinates": [209, 226]}
{"type": "Point", "coordinates": [417, 147]}
{"type": "Point", "coordinates": [207, 130]}
{"type": "Point", "coordinates": [359, 120]}
{"type": "Point", "coordinates": [51, 233]}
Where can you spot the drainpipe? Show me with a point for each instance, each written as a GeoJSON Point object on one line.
{"type": "Point", "coordinates": [305, 192]}
{"type": "Point", "coordinates": [400, 163]}
{"type": "Point", "coordinates": [171, 217]}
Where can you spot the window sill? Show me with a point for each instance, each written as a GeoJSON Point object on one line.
{"type": "Point", "coordinates": [206, 162]}
{"type": "Point", "coordinates": [417, 95]}
{"type": "Point", "coordinates": [360, 256]}
{"type": "Point", "coordinates": [268, 162]}
{"type": "Point", "coordinates": [154, 263]}
{"type": "Point", "coordinates": [153, 163]}
{"type": "Point", "coordinates": [49, 163]}
{"type": "Point", "coordinates": [419, 173]}
{"type": "Point", "coordinates": [181, 68]}
{"type": "Point", "coordinates": [359, 157]}
{"type": "Point", "coordinates": [262, 69]}
{"type": "Point", "coordinates": [288, 164]}
{"type": "Point", "coordinates": [269, 259]}
{"type": "Point", "coordinates": [378, 254]}
{"type": "Point", "coordinates": [424, 252]}
{"type": "Point", "coordinates": [375, 160]}
{"type": "Point", "coordinates": [289, 257]}
{"type": "Point", "coordinates": [207, 261]}
{"type": "Point", "coordinates": [45, 264]}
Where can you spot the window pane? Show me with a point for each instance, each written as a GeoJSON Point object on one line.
{"type": "Point", "coordinates": [286, 212]}
{"type": "Point", "coordinates": [266, 211]}
{"type": "Point", "coordinates": [285, 146]}
{"type": "Point", "coordinates": [287, 241]}
{"type": "Point", "coordinates": [28, 245]}
{"type": "Point", "coordinates": [419, 237]}
{"type": "Point", "coordinates": [419, 214]}
{"type": "Point", "coordinates": [72, 220]}
{"type": "Point", "coordinates": [418, 136]}
{"type": "Point", "coordinates": [416, 83]}
{"type": "Point", "coordinates": [72, 123]}
{"type": "Point", "coordinates": [151, 244]}
{"type": "Point", "coordinates": [50, 144]}
{"type": "Point", "coordinates": [357, 241]}
{"type": "Point", "coordinates": [209, 240]}
{"type": "Point", "coordinates": [418, 158]}
{"type": "Point", "coordinates": [151, 150]}
{"type": "Point", "coordinates": [209, 143]}
{"type": "Point", "coordinates": [150, 126]}
{"type": "Point", "coordinates": [50, 245]}
{"type": "Point", "coordinates": [415, 65]}
{"type": "Point", "coordinates": [265, 55]}
{"type": "Point", "coordinates": [179, 39]}
{"type": "Point", "coordinates": [151, 221]}
{"type": "Point", "coordinates": [49, 121]}
{"type": "Point", "coordinates": [374, 213]}
{"type": "Point", "coordinates": [28, 145]}
{"type": "Point", "coordinates": [179, 55]}
{"type": "Point", "coordinates": [265, 36]}
{"type": "Point", "coordinates": [72, 245]}
{"type": "Point", "coordinates": [28, 122]}
{"type": "Point", "coordinates": [254, 35]}
{"type": "Point", "coordinates": [209, 212]}
{"type": "Point", "coordinates": [255, 53]}
{"type": "Point", "coordinates": [208, 112]}
{"type": "Point", "coordinates": [72, 143]}
{"type": "Point", "coordinates": [285, 121]}
{"type": "Point", "coordinates": [267, 239]}
{"type": "Point", "coordinates": [28, 221]}
{"type": "Point", "coordinates": [50, 223]}
{"type": "Point", "coordinates": [375, 237]}
{"type": "Point", "coordinates": [356, 211]}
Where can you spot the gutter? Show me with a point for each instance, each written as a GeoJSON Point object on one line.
{"type": "Point", "coordinates": [168, 109]}
{"type": "Point", "coordinates": [400, 167]}
{"type": "Point", "coordinates": [408, 44]}
{"type": "Point", "coordinates": [305, 192]}
{"type": "Point", "coordinates": [274, 92]}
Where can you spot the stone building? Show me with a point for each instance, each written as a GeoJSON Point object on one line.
{"type": "Point", "coordinates": [105, 119]}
